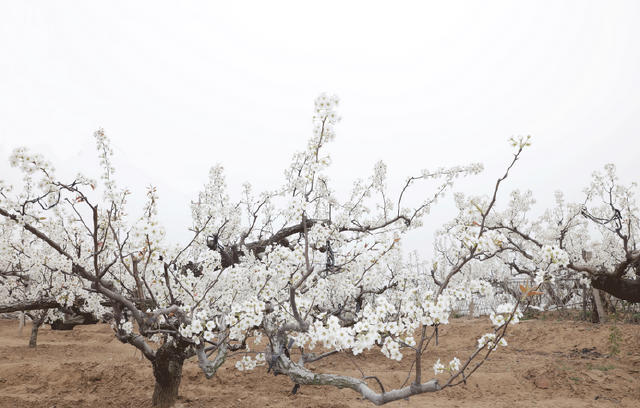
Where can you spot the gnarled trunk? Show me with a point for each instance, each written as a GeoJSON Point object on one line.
{"type": "Point", "coordinates": [602, 316]}
{"type": "Point", "coordinates": [72, 319]}
{"type": "Point", "coordinates": [33, 339]}
{"type": "Point", "coordinates": [622, 288]}
{"type": "Point", "coordinates": [37, 321]}
{"type": "Point", "coordinates": [167, 370]}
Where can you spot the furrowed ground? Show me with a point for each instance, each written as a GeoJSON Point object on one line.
{"type": "Point", "coordinates": [547, 364]}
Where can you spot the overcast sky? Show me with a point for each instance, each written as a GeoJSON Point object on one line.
{"type": "Point", "coordinates": [180, 86]}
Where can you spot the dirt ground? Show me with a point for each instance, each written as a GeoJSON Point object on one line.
{"type": "Point", "coordinates": [547, 364]}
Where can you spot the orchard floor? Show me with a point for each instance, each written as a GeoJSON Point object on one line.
{"type": "Point", "coordinates": [547, 364]}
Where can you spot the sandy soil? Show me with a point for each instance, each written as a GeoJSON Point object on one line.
{"type": "Point", "coordinates": [547, 364]}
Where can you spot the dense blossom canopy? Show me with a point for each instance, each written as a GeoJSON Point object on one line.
{"type": "Point", "coordinates": [293, 268]}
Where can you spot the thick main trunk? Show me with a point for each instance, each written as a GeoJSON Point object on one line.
{"type": "Point", "coordinates": [33, 339]}
{"type": "Point", "coordinates": [36, 323]}
{"type": "Point", "coordinates": [167, 370]}
{"type": "Point", "coordinates": [602, 316]}
{"type": "Point", "coordinates": [622, 288]}
{"type": "Point", "coordinates": [70, 320]}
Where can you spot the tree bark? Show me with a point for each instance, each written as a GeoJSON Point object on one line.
{"type": "Point", "coordinates": [72, 319]}
{"type": "Point", "coordinates": [167, 370]}
{"type": "Point", "coordinates": [21, 322]}
{"type": "Point", "coordinates": [33, 339]}
{"type": "Point", "coordinates": [602, 317]}
{"type": "Point", "coordinates": [622, 288]}
{"type": "Point", "coordinates": [584, 304]}
{"type": "Point", "coordinates": [35, 326]}
{"type": "Point", "coordinates": [45, 303]}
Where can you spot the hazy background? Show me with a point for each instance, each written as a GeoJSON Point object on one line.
{"type": "Point", "coordinates": [179, 86]}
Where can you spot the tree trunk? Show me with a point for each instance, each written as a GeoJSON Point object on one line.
{"type": "Point", "coordinates": [167, 370]}
{"type": "Point", "coordinates": [584, 304]}
{"type": "Point", "coordinates": [35, 325]}
{"type": "Point", "coordinates": [21, 321]}
{"type": "Point", "coordinates": [622, 288]}
{"type": "Point", "coordinates": [602, 317]}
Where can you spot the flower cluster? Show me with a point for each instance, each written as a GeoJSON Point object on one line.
{"type": "Point", "coordinates": [488, 339]}
{"type": "Point", "coordinates": [453, 366]}
{"type": "Point", "coordinates": [247, 363]}
{"type": "Point", "coordinates": [505, 313]}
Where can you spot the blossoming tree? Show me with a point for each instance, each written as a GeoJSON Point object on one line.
{"type": "Point", "coordinates": [30, 273]}
{"type": "Point", "coordinates": [572, 247]}
{"type": "Point", "coordinates": [595, 241]}
{"type": "Point", "coordinates": [268, 277]}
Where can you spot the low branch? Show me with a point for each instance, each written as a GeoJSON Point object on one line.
{"type": "Point", "coordinates": [210, 367]}
{"type": "Point", "coordinates": [138, 342]}
{"type": "Point", "coordinates": [46, 303]}
{"type": "Point", "coordinates": [611, 282]}
{"type": "Point", "coordinates": [302, 376]}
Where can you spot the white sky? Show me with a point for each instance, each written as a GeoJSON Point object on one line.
{"type": "Point", "coordinates": [179, 86]}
